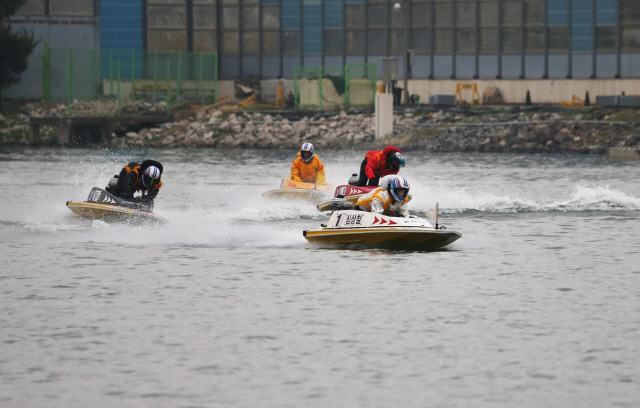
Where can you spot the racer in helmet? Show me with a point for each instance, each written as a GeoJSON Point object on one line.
{"type": "Point", "coordinates": [387, 201]}
{"type": "Point", "coordinates": [308, 167]}
{"type": "Point", "coordinates": [378, 164]}
{"type": "Point", "coordinates": [134, 177]}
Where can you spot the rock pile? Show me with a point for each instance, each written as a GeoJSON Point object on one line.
{"type": "Point", "coordinates": [256, 130]}
{"type": "Point", "coordinates": [227, 125]}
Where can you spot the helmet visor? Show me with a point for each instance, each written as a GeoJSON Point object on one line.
{"type": "Point", "coordinates": [402, 192]}
{"type": "Point", "coordinates": [149, 181]}
{"type": "Point", "coordinates": [305, 154]}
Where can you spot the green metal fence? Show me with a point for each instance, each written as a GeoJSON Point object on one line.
{"type": "Point", "coordinates": [335, 87]}
{"type": "Point", "coordinates": [70, 74]}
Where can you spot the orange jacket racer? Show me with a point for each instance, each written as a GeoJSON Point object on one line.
{"type": "Point", "coordinates": [308, 167]}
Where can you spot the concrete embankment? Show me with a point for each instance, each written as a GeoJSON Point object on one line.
{"type": "Point", "coordinates": [487, 129]}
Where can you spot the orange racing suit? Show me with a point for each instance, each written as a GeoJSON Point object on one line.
{"type": "Point", "coordinates": [312, 171]}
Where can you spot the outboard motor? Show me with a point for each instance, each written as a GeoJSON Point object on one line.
{"type": "Point", "coordinates": [340, 203]}
{"type": "Point", "coordinates": [113, 181]}
{"type": "Point", "coordinates": [111, 185]}
{"type": "Point", "coordinates": [353, 180]}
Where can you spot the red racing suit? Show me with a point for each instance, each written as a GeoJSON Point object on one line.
{"type": "Point", "coordinates": [377, 162]}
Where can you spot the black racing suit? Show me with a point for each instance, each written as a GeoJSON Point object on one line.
{"type": "Point", "coordinates": [363, 180]}
{"type": "Point", "coordinates": [130, 181]}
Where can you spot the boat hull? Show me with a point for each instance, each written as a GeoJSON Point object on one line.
{"type": "Point", "coordinates": [114, 213]}
{"type": "Point", "coordinates": [299, 190]}
{"type": "Point", "coordinates": [365, 229]}
{"type": "Point", "coordinates": [407, 238]}
{"type": "Point", "coordinates": [295, 194]}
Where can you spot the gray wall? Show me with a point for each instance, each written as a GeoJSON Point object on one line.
{"type": "Point", "coordinates": [59, 36]}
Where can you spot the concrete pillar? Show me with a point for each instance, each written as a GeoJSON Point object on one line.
{"type": "Point", "coordinates": [34, 134]}
{"type": "Point", "coordinates": [384, 115]}
{"type": "Point", "coordinates": [64, 133]}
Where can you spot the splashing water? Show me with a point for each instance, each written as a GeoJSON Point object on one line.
{"type": "Point", "coordinates": [215, 197]}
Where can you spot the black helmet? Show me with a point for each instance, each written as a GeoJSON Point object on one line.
{"type": "Point", "coordinates": [395, 160]}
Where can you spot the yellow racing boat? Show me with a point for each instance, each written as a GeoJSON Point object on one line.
{"type": "Point", "coordinates": [101, 205]}
{"type": "Point", "coordinates": [299, 190]}
{"type": "Point", "coordinates": [352, 228]}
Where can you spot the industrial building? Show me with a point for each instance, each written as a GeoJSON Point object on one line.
{"type": "Point", "coordinates": [455, 40]}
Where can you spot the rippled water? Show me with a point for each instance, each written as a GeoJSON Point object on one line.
{"type": "Point", "coordinates": [537, 305]}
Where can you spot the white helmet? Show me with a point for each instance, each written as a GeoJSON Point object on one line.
{"type": "Point", "coordinates": [399, 188]}
{"type": "Point", "coordinates": [307, 148]}
{"type": "Point", "coordinates": [150, 176]}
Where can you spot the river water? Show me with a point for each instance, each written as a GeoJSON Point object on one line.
{"type": "Point", "coordinates": [537, 305]}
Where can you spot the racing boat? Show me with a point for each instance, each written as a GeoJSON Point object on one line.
{"type": "Point", "coordinates": [300, 190]}
{"type": "Point", "coordinates": [101, 205]}
{"type": "Point", "coordinates": [363, 229]}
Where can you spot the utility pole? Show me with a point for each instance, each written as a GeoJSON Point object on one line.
{"type": "Point", "coordinates": [405, 59]}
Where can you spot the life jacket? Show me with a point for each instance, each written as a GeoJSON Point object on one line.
{"type": "Point", "coordinates": [313, 171]}
{"type": "Point", "coordinates": [137, 184]}
{"type": "Point", "coordinates": [389, 206]}
{"type": "Point", "coordinates": [377, 162]}
{"type": "Point", "coordinates": [365, 201]}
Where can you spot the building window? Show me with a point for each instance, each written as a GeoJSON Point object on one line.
{"type": "Point", "coordinates": [251, 43]}
{"type": "Point", "coordinates": [71, 8]}
{"type": "Point", "coordinates": [558, 39]}
{"type": "Point", "coordinates": [630, 12]}
{"type": "Point", "coordinates": [167, 25]}
{"type": "Point", "coordinates": [489, 14]}
{"type": "Point", "coordinates": [421, 15]}
{"type": "Point", "coordinates": [421, 41]}
{"type": "Point", "coordinates": [558, 13]}
{"type": "Point", "coordinates": [271, 43]}
{"type": "Point", "coordinates": [489, 40]}
{"type": "Point", "coordinates": [534, 13]}
{"type": "Point", "coordinates": [354, 15]}
{"type": "Point", "coordinates": [511, 40]}
{"type": "Point", "coordinates": [444, 41]}
{"type": "Point", "coordinates": [466, 40]}
{"type": "Point", "coordinates": [606, 38]}
{"type": "Point", "coordinates": [205, 41]}
{"type": "Point", "coordinates": [230, 18]}
{"type": "Point", "coordinates": [230, 43]}
{"type": "Point", "coordinates": [512, 14]}
{"type": "Point", "coordinates": [167, 40]}
{"type": "Point", "coordinates": [377, 42]}
{"type": "Point", "coordinates": [466, 14]}
{"type": "Point", "coordinates": [630, 38]}
{"type": "Point", "coordinates": [291, 42]}
{"type": "Point", "coordinates": [444, 15]}
{"type": "Point", "coordinates": [355, 42]}
{"type": "Point", "coordinates": [205, 17]}
{"type": "Point", "coordinates": [271, 18]}
{"type": "Point", "coordinates": [377, 16]}
{"type": "Point", "coordinates": [334, 42]}
{"type": "Point", "coordinates": [534, 39]}
{"type": "Point", "coordinates": [32, 7]}
{"type": "Point", "coordinates": [250, 18]}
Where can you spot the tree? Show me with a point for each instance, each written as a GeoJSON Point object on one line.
{"type": "Point", "coordinates": [15, 46]}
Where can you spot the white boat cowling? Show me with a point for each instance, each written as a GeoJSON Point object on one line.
{"type": "Point", "coordinates": [361, 219]}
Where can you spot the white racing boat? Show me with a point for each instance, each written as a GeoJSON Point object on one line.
{"type": "Point", "coordinates": [101, 205]}
{"type": "Point", "coordinates": [365, 229]}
